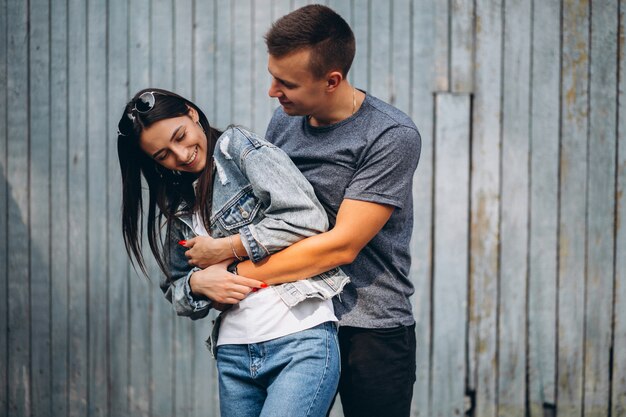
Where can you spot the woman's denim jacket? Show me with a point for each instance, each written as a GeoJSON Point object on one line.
{"type": "Point", "coordinates": [260, 194]}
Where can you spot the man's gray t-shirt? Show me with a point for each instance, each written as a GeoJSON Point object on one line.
{"type": "Point", "coordinates": [371, 156]}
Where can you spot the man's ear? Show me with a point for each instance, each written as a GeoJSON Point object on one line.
{"type": "Point", "coordinates": [333, 79]}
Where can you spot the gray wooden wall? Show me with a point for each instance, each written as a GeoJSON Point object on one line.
{"type": "Point", "coordinates": [520, 237]}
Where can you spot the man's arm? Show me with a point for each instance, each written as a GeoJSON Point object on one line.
{"type": "Point", "coordinates": [357, 223]}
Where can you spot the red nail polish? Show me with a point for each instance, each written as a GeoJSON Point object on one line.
{"type": "Point", "coordinates": [255, 289]}
{"type": "Point", "coordinates": [263, 285]}
{"type": "Point", "coordinates": [182, 242]}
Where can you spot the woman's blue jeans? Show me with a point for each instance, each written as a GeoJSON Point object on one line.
{"type": "Point", "coordinates": [291, 376]}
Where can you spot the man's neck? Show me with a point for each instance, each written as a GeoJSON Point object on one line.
{"type": "Point", "coordinates": [341, 105]}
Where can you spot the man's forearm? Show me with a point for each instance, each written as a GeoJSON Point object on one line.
{"type": "Point", "coordinates": [357, 223]}
{"type": "Point", "coordinates": [302, 260]}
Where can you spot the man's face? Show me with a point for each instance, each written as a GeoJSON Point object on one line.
{"type": "Point", "coordinates": [295, 87]}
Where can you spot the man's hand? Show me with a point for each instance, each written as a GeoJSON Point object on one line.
{"type": "Point", "coordinates": [220, 286]}
{"type": "Point", "coordinates": [205, 251]}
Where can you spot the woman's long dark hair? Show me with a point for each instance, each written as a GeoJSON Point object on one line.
{"type": "Point", "coordinates": [167, 191]}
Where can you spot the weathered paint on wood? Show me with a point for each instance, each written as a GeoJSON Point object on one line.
{"type": "Point", "coordinates": [39, 184]}
{"type": "Point", "coordinates": [544, 186]}
{"type": "Point", "coordinates": [59, 206]}
{"type": "Point", "coordinates": [485, 210]}
{"type": "Point", "coordinates": [224, 70]}
{"type": "Point", "coordinates": [442, 45]}
{"type": "Point", "coordinates": [140, 294]}
{"type": "Point", "coordinates": [97, 135]}
{"type": "Point", "coordinates": [362, 32]}
{"type": "Point", "coordinates": [401, 51]}
{"type": "Point", "coordinates": [18, 365]}
{"type": "Point", "coordinates": [422, 112]}
{"type": "Point", "coordinates": [514, 218]}
{"type": "Point", "coordinates": [380, 50]}
{"type": "Point", "coordinates": [461, 46]}
{"type": "Point", "coordinates": [77, 209]}
{"type": "Point", "coordinates": [618, 382]}
{"type": "Point", "coordinates": [118, 278]}
{"type": "Point", "coordinates": [4, 202]}
{"type": "Point", "coordinates": [450, 260]}
{"type": "Point", "coordinates": [242, 63]}
{"type": "Point", "coordinates": [600, 207]}
{"type": "Point", "coordinates": [262, 108]}
{"type": "Point", "coordinates": [573, 189]}
{"type": "Point", "coordinates": [111, 345]}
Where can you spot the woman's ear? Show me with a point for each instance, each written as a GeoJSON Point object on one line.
{"type": "Point", "coordinates": [193, 114]}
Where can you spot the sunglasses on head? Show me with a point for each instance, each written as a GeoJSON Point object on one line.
{"type": "Point", "coordinates": [143, 104]}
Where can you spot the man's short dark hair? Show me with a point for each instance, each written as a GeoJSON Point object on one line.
{"type": "Point", "coordinates": [316, 27]}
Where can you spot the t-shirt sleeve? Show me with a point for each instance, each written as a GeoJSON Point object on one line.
{"type": "Point", "coordinates": [385, 171]}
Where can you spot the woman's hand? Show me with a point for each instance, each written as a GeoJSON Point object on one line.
{"type": "Point", "coordinates": [222, 287]}
{"type": "Point", "coordinates": [205, 251]}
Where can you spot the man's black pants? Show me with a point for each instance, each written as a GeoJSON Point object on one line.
{"type": "Point", "coordinates": [377, 371]}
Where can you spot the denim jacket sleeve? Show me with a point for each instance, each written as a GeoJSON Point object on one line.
{"type": "Point", "coordinates": [292, 211]}
{"type": "Point", "coordinates": [176, 286]}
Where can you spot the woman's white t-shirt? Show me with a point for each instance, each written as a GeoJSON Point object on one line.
{"type": "Point", "coordinates": [263, 315]}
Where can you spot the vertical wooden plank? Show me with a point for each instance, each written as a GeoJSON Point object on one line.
{"type": "Point", "coordinates": [182, 57]}
{"type": "Point", "coordinates": [544, 191]}
{"type": "Point", "coordinates": [59, 206]}
{"type": "Point", "coordinates": [4, 207]}
{"type": "Point", "coordinates": [573, 197]}
{"type": "Point", "coordinates": [242, 63]}
{"type": "Point", "coordinates": [39, 184]}
{"type": "Point", "coordinates": [451, 200]}
{"type": "Point", "coordinates": [261, 102]}
{"type": "Point", "coordinates": [141, 294]}
{"type": "Point", "coordinates": [461, 46]}
{"type": "Point", "coordinates": [18, 136]}
{"type": "Point", "coordinates": [380, 50]}
{"type": "Point", "coordinates": [183, 84]}
{"type": "Point", "coordinates": [442, 45]}
{"type": "Point", "coordinates": [343, 8]}
{"type": "Point", "coordinates": [361, 28]}
{"type": "Point", "coordinates": [422, 113]}
{"type": "Point", "coordinates": [204, 74]}
{"type": "Point", "coordinates": [485, 209]}
{"type": "Point", "coordinates": [77, 185]}
{"type": "Point", "coordinates": [223, 65]}
{"type": "Point", "coordinates": [96, 208]}
{"type": "Point", "coordinates": [280, 8]}
{"type": "Point", "coordinates": [618, 382]}
{"type": "Point", "coordinates": [117, 272]}
{"type": "Point", "coordinates": [296, 4]}
{"type": "Point", "coordinates": [600, 207]}
{"type": "Point", "coordinates": [400, 83]}
{"type": "Point", "coordinates": [204, 380]}
{"type": "Point", "coordinates": [162, 365]}
{"type": "Point", "coordinates": [514, 210]}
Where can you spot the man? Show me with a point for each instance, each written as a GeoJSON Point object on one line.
{"type": "Point", "coordinates": [359, 154]}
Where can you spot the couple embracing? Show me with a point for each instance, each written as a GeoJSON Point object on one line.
{"type": "Point", "coordinates": [300, 239]}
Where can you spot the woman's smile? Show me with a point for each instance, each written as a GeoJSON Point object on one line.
{"type": "Point", "coordinates": [193, 159]}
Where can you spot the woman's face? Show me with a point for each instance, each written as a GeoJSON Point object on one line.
{"type": "Point", "coordinates": [178, 143]}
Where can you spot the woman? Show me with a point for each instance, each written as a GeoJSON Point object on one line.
{"type": "Point", "coordinates": [276, 350]}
